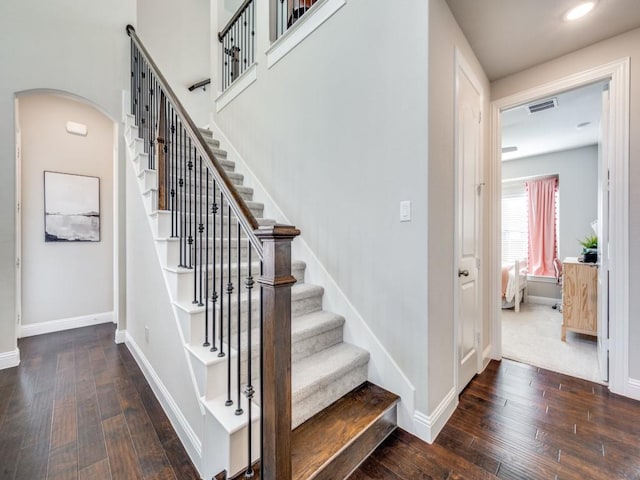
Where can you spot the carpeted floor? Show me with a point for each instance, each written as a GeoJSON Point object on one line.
{"type": "Point", "coordinates": [533, 336]}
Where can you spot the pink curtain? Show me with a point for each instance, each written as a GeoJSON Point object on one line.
{"type": "Point", "coordinates": [542, 225]}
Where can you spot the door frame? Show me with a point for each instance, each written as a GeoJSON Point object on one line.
{"type": "Point", "coordinates": [460, 62]}
{"type": "Point", "coordinates": [18, 218]}
{"type": "Point", "coordinates": [617, 72]}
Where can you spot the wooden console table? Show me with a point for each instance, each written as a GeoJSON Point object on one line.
{"type": "Point", "coordinates": [579, 297]}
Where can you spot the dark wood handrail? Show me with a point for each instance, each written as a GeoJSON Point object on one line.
{"type": "Point", "coordinates": [201, 84]}
{"type": "Point", "coordinates": [235, 17]}
{"type": "Point", "coordinates": [236, 202]}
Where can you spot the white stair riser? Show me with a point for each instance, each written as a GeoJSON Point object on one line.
{"type": "Point", "coordinates": [171, 253]}
{"type": "Point", "coordinates": [228, 452]}
{"type": "Point", "coordinates": [140, 162]}
{"type": "Point", "coordinates": [148, 179]}
{"type": "Point", "coordinates": [150, 199]}
{"type": "Point", "coordinates": [137, 146]}
{"type": "Point", "coordinates": [132, 133]}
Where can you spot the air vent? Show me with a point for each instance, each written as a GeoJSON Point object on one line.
{"type": "Point", "coordinates": [544, 105]}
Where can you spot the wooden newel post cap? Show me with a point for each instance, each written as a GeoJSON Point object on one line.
{"type": "Point", "coordinates": [276, 250]}
{"type": "Point", "coordinates": [276, 232]}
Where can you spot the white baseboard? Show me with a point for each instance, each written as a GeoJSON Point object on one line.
{"type": "Point", "coordinates": [633, 388]}
{"type": "Point", "coordinates": [542, 300]}
{"type": "Point", "coordinates": [9, 359]}
{"type": "Point", "coordinates": [41, 328]}
{"type": "Point", "coordinates": [427, 427]}
{"type": "Point", "coordinates": [487, 356]}
{"type": "Point", "coordinates": [121, 336]}
{"type": "Point", "coordinates": [383, 369]}
{"type": "Point", "coordinates": [189, 438]}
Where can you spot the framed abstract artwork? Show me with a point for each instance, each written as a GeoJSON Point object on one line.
{"type": "Point", "coordinates": [71, 208]}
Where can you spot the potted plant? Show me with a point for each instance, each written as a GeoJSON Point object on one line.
{"type": "Point", "coordinates": [589, 249]}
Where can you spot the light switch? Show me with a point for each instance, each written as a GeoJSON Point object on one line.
{"type": "Point", "coordinates": [405, 211]}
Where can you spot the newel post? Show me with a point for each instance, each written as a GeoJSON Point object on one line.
{"type": "Point", "coordinates": [276, 282]}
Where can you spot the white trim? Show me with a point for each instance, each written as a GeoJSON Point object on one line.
{"type": "Point", "coordinates": [618, 73]}
{"type": "Point", "coordinates": [243, 82]}
{"type": "Point", "coordinates": [120, 336]}
{"type": "Point", "coordinates": [187, 436]}
{"type": "Point", "coordinates": [10, 359]}
{"type": "Point", "coordinates": [308, 23]}
{"type": "Point", "coordinates": [383, 370]}
{"type": "Point", "coordinates": [633, 388]}
{"type": "Point", "coordinates": [541, 279]}
{"type": "Point", "coordinates": [486, 357]}
{"type": "Point", "coordinates": [18, 219]}
{"type": "Point", "coordinates": [429, 426]}
{"type": "Point", "coordinates": [51, 326]}
{"type": "Point", "coordinates": [542, 300]}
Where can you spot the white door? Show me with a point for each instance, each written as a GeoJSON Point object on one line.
{"type": "Point", "coordinates": [469, 189]}
{"type": "Point", "coordinates": [603, 239]}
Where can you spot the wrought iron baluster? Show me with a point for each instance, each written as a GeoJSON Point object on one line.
{"type": "Point", "coordinates": [190, 213]}
{"type": "Point", "coordinates": [206, 267]}
{"type": "Point", "coordinates": [229, 293]}
{"type": "Point", "coordinates": [214, 294]}
{"type": "Point", "coordinates": [238, 298]}
{"type": "Point", "coordinates": [221, 308]}
{"type": "Point", "coordinates": [201, 231]}
{"type": "Point", "coordinates": [249, 392]}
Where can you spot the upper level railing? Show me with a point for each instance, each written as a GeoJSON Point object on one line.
{"type": "Point", "coordinates": [287, 13]}
{"type": "Point", "coordinates": [238, 39]}
{"type": "Point", "coordinates": [222, 242]}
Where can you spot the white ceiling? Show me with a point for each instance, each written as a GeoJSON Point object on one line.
{"type": "Point", "coordinates": [554, 129]}
{"type": "Point", "coordinates": [508, 36]}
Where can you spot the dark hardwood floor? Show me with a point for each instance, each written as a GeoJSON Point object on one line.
{"type": "Point", "coordinates": [78, 407]}
{"type": "Point", "coordinates": [520, 422]}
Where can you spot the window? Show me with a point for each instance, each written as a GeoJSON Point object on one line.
{"type": "Point", "coordinates": [515, 225]}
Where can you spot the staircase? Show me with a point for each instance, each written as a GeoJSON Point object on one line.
{"type": "Point", "coordinates": [337, 416]}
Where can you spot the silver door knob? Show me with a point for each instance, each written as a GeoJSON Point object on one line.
{"type": "Point", "coordinates": [463, 273]}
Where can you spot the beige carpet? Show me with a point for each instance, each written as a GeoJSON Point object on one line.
{"type": "Point", "coordinates": [533, 336]}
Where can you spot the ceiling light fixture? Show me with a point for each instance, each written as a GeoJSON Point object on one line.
{"type": "Point", "coordinates": [579, 10]}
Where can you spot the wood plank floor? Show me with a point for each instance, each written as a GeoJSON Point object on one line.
{"type": "Point", "coordinates": [78, 407]}
{"type": "Point", "coordinates": [520, 422]}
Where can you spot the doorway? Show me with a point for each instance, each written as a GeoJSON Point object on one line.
{"type": "Point", "coordinates": [617, 73]}
{"type": "Point", "coordinates": [66, 280]}
{"type": "Point", "coordinates": [552, 154]}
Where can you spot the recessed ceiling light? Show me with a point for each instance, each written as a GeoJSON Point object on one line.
{"type": "Point", "coordinates": [579, 10]}
{"type": "Point", "coordinates": [583, 124]}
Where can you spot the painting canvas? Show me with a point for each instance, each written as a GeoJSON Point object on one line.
{"type": "Point", "coordinates": [71, 208]}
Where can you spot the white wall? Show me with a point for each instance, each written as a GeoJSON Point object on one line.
{"type": "Point", "coordinates": [177, 35]}
{"type": "Point", "coordinates": [149, 305]}
{"type": "Point", "coordinates": [61, 45]}
{"type": "Point", "coordinates": [444, 37]}
{"type": "Point", "coordinates": [337, 133]}
{"type": "Point", "coordinates": [577, 171]}
{"type": "Point", "coordinates": [625, 45]}
{"type": "Point", "coordinates": [63, 280]}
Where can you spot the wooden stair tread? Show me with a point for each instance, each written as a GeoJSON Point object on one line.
{"type": "Point", "coordinates": [324, 436]}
